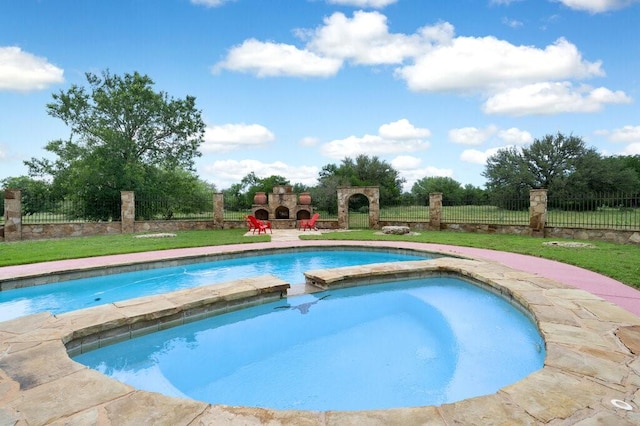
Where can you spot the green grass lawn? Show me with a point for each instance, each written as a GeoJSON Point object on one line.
{"type": "Point", "coordinates": [22, 252]}
{"type": "Point", "coordinates": [621, 262]}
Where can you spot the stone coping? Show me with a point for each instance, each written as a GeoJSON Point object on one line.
{"type": "Point", "coordinates": [592, 358]}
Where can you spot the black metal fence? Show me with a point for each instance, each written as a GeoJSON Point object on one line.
{"type": "Point", "coordinates": [48, 210]}
{"type": "Point", "coordinates": [238, 214]}
{"type": "Point", "coordinates": [595, 211]}
{"type": "Point", "coordinates": [511, 212]}
{"type": "Point", "coordinates": [591, 211]}
{"type": "Point", "coordinates": [185, 208]}
{"type": "Point", "coordinates": [403, 213]}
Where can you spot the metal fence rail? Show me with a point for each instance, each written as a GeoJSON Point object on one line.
{"type": "Point", "coordinates": [48, 210]}
{"type": "Point", "coordinates": [187, 208]}
{"type": "Point", "coordinates": [513, 212]}
{"type": "Point", "coordinates": [240, 214]}
{"type": "Point", "coordinates": [405, 213]}
{"type": "Point", "coordinates": [595, 211]}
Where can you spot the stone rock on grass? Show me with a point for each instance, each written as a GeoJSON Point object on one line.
{"type": "Point", "coordinates": [396, 230]}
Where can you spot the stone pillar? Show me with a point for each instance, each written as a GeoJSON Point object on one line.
{"type": "Point", "coordinates": [218, 210]}
{"type": "Point", "coordinates": [12, 215]}
{"type": "Point", "coordinates": [537, 211]}
{"type": "Point", "coordinates": [374, 210]}
{"type": "Point", "coordinates": [435, 210]}
{"type": "Point", "coordinates": [128, 212]}
{"type": "Point", "coordinates": [343, 209]}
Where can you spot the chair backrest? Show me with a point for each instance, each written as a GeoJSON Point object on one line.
{"type": "Point", "coordinates": [314, 218]}
{"type": "Point", "coordinates": [255, 222]}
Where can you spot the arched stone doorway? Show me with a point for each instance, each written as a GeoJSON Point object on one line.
{"type": "Point", "coordinates": [373, 195]}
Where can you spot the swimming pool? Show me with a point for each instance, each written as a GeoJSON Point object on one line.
{"type": "Point", "coordinates": [399, 344]}
{"type": "Point", "coordinates": [579, 391]}
{"type": "Point", "coordinates": [89, 292]}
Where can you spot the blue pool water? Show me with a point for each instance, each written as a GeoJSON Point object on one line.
{"type": "Point", "coordinates": [84, 293]}
{"type": "Point", "coordinates": [409, 343]}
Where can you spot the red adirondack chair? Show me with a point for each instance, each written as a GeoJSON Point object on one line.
{"type": "Point", "coordinates": [250, 226]}
{"type": "Point", "coordinates": [311, 223]}
{"type": "Point", "coordinates": [258, 225]}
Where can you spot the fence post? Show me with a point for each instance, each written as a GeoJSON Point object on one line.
{"type": "Point", "coordinates": [128, 212]}
{"type": "Point", "coordinates": [537, 212]}
{"type": "Point", "coordinates": [435, 210]}
{"type": "Point", "coordinates": [12, 215]}
{"type": "Point", "coordinates": [218, 210]}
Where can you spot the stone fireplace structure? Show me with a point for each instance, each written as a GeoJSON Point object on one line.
{"type": "Point", "coordinates": [283, 208]}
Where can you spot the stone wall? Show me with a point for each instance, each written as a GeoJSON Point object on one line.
{"type": "Point", "coordinates": [613, 236]}
{"type": "Point", "coordinates": [172, 225]}
{"type": "Point", "coordinates": [65, 230]}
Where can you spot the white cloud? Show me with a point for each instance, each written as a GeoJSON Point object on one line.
{"type": "Point", "coordinates": [475, 156]}
{"type": "Point", "coordinates": [267, 59]}
{"type": "Point", "coordinates": [475, 136]}
{"type": "Point", "coordinates": [401, 130]}
{"type": "Point", "coordinates": [23, 71]}
{"type": "Point", "coordinates": [471, 135]}
{"type": "Point", "coordinates": [632, 149]}
{"type": "Point", "coordinates": [552, 98]}
{"type": "Point", "coordinates": [514, 79]}
{"type": "Point", "coordinates": [397, 137]}
{"type": "Point", "coordinates": [229, 137]}
{"type": "Point", "coordinates": [597, 6]}
{"type": "Point", "coordinates": [626, 134]}
{"type": "Point", "coordinates": [514, 136]}
{"type": "Point", "coordinates": [512, 23]}
{"type": "Point", "coordinates": [375, 4]}
{"type": "Point", "coordinates": [486, 63]}
{"type": "Point", "coordinates": [309, 141]}
{"type": "Point", "coordinates": [406, 162]}
{"type": "Point", "coordinates": [363, 39]}
{"type": "Point", "coordinates": [228, 172]}
{"type": "Point", "coordinates": [411, 169]}
{"type": "Point", "coordinates": [210, 3]}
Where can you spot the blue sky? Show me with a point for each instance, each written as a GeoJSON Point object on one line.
{"type": "Point", "coordinates": [288, 86]}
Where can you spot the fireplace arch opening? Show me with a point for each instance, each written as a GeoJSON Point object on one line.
{"type": "Point", "coordinates": [303, 215]}
{"type": "Point", "coordinates": [282, 212]}
{"type": "Point", "coordinates": [262, 214]}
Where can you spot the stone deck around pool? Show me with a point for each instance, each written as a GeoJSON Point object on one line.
{"type": "Point", "coordinates": [593, 349]}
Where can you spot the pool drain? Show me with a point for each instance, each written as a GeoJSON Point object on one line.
{"type": "Point", "coordinates": [621, 404]}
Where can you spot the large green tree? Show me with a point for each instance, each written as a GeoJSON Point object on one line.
{"type": "Point", "coordinates": [124, 136]}
{"type": "Point", "coordinates": [361, 171]}
{"type": "Point", "coordinates": [562, 164]}
{"type": "Point", "coordinates": [452, 191]}
{"type": "Point", "coordinates": [35, 193]}
{"type": "Point", "coordinates": [254, 184]}
{"type": "Point", "coordinates": [631, 162]}
{"type": "Point", "coordinates": [239, 196]}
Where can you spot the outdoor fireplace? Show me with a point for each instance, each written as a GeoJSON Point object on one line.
{"type": "Point", "coordinates": [282, 207]}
